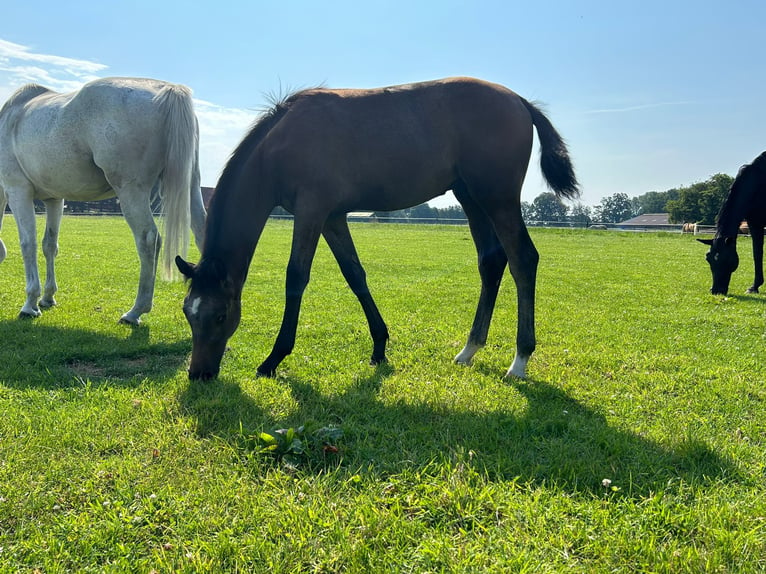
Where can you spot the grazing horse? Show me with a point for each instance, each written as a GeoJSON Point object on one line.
{"type": "Point", "coordinates": [746, 201]}
{"type": "Point", "coordinates": [322, 153]}
{"type": "Point", "coordinates": [115, 136]}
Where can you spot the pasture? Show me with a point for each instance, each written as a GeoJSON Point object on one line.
{"type": "Point", "coordinates": [637, 443]}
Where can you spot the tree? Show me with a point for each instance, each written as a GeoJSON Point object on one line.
{"type": "Point", "coordinates": [614, 209]}
{"type": "Point", "coordinates": [701, 201]}
{"type": "Point", "coordinates": [581, 213]}
{"type": "Point", "coordinates": [422, 211]}
{"type": "Point", "coordinates": [654, 201]}
{"type": "Point", "coordinates": [548, 207]}
{"type": "Point", "coordinates": [527, 211]}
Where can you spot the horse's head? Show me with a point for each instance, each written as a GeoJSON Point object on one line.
{"type": "Point", "coordinates": [213, 309]}
{"type": "Point", "coordinates": [723, 260]}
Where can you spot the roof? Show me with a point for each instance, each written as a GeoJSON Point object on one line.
{"type": "Point", "coordinates": [648, 220]}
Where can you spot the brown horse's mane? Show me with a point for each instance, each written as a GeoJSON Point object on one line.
{"type": "Point", "coordinates": [261, 127]}
{"type": "Point", "coordinates": [269, 118]}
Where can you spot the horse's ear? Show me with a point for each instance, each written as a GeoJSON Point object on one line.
{"type": "Point", "coordinates": [705, 241]}
{"type": "Point", "coordinates": [187, 269]}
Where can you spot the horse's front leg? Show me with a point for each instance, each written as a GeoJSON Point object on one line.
{"type": "Point", "coordinates": [23, 207]}
{"type": "Point", "coordinates": [54, 208]}
{"type": "Point", "coordinates": [756, 234]}
{"type": "Point", "coordinates": [305, 239]}
{"type": "Point", "coordinates": [338, 237]}
{"type": "Point", "coordinates": [137, 211]}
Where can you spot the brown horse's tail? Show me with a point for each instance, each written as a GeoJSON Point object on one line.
{"type": "Point", "coordinates": [554, 158]}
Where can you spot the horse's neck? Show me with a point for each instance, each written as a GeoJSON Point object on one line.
{"type": "Point", "coordinates": [234, 229]}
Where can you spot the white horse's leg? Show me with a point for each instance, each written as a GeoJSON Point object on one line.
{"type": "Point", "coordinates": [54, 208]}
{"type": "Point", "coordinates": [3, 203]}
{"type": "Point", "coordinates": [198, 213]}
{"type": "Point", "coordinates": [23, 207]}
{"type": "Point", "coordinates": [134, 203]}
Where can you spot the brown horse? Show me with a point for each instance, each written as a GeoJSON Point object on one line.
{"type": "Point", "coordinates": [322, 153]}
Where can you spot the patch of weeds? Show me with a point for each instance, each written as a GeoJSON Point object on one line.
{"type": "Point", "coordinates": [296, 447]}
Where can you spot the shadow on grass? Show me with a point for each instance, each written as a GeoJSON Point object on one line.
{"type": "Point", "coordinates": [556, 440]}
{"type": "Point", "coordinates": [33, 355]}
{"type": "Point", "coordinates": [749, 297]}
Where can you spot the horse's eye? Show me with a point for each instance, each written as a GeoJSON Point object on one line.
{"type": "Point", "coordinates": [220, 319]}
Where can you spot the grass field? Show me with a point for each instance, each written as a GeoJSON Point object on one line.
{"type": "Point", "coordinates": [637, 444]}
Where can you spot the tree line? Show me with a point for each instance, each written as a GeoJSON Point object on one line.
{"type": "Point", "coordinates": [695, 203]}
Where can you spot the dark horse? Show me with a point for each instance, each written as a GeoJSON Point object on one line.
{"type": "Point", "coordinates": [746, 201]}
{"type": "Point", "coordinates": [321, 153]}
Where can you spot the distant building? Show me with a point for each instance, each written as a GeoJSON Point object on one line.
{"type": "Point", "coordinates": [649, 222]}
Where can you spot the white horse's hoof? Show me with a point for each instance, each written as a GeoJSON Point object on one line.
{"type": "Point", "coordinates": [29, 314]}
{"type": "Point", "coordinates": [126, 319]}
{"type": "Point", "coordinates": [47, 304]}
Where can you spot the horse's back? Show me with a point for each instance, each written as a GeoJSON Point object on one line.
{"type": "Point", "coordinates": [421, 137]}
{"type": "Point", "coordinates": [106, 130]}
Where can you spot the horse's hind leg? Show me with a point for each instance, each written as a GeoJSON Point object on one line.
{"type": "Point", "coordinates": [338, 237]}
{"type": "Point", "coordinates": [54, 208]}
{"type": "Point", "coordinates": [492, 264]}
{"type": "Point", "coordinates": [197, 206]}
{"type": "Point", "coordinates": [522, 260]}
{"type": "Point", "coordinates": [756, 235]}
{"type": "Point", "coordinates": [135, 206]}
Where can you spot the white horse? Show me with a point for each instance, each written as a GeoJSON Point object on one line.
{"type": "Point", "coordinates": [115, 136]}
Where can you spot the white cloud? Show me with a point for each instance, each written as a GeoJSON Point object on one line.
{"type": "Point", "coordinates": [220, 130]}
{"type": "Point", "coordinates": [20, 65]}
{"type": "Point", "coordinates": [638, 107]}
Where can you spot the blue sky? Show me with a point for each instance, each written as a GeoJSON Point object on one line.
{"type": "Point", "coordinates": [650, 95]}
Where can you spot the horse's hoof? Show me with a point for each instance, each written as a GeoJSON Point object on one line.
{"type": "Point", "coordinates": [125, 320]}
{"type": "Point", "coordinates": [375, 361]}
{"type": "Point", "coordinates": [267, 373]}
{"type": "Point", "coordinates": [752, 291]}
{"type": "Point", "coordinates": [24, 315]}
{"type": "Point", "coordinates": [46, 304]}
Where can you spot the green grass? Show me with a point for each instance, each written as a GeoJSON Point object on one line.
{"type": "Point", "coordinates": [111, 461]}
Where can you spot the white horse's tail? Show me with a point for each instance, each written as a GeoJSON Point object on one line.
{"type": "Point", "coordinates": [3, 202]}
{"type": "Point", "coordinates": [181, 132]}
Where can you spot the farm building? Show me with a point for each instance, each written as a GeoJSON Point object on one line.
{"type": "Point", "coordinates": [649, 222]}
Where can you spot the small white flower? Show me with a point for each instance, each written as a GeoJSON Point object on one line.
{"type": "Point", "coordinates": [606, 483]}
